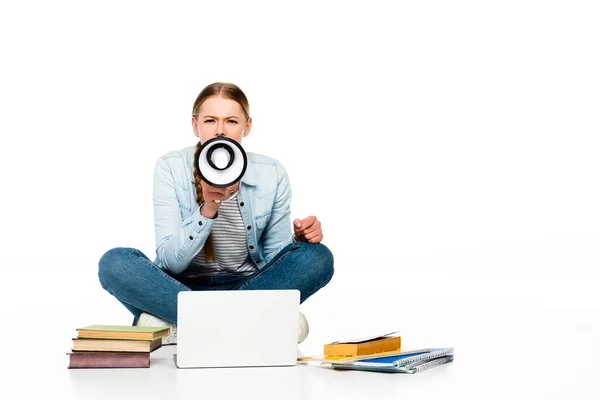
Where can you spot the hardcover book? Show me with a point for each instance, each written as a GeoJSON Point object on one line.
{"type": "Point", "coordinates": [358, 347]}
{"type": "Point", "coordinates": [349, 360]}
{"type": "Point", "coordinates": [123, 332]}
{"type": "Point", "coordinates": [113, 345]}
{"type": "Point", "coordinates": [97, 359]}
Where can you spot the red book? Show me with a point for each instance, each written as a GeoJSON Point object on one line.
{"type": "Point", "coordinates": [107, 359]}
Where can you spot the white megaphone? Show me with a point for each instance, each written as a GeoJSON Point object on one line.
{"type": "Point", "coordinates": [221, 162]}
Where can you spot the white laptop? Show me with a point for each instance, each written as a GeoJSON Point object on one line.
{"type": "Point", "coordinates": [237, 328]}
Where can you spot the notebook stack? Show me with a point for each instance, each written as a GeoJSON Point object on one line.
{"type": "Point", "coordinates": [382, 353]}
{"type": "Point", "coordinates": [115, 346]}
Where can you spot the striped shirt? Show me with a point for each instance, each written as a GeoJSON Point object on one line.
{"type": "Point", "coordinates": [231, 251]}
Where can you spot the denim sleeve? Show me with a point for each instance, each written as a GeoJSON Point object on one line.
{"type": "Point", "coordinates": [278, 232]}
{"type": "Point", "coordinates": [178, 240]}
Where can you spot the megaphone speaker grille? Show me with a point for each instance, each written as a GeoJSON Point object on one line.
{"type": "Point", "coordinates": [220, 154]}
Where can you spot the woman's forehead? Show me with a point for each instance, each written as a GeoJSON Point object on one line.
{"type": "Point", "coordinates": [219, 106]}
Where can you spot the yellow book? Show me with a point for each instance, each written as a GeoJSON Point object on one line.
{"type": "Point", "coordinates": [349, 360]}
{"type": "Point", "coordinates": [358, 347]}
{"type": "Point", "coordinates": [121, 345]}
{"type": "Point", "coordinates": [123, 332]}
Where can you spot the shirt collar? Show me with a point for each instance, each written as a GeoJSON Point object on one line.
{"type": "Point", "coordinates": [249, 177]}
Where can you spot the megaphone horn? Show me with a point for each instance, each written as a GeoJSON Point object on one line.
{"type": "Point", "coordinates": [221, 162]}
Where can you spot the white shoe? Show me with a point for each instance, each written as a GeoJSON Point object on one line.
{"type": "Point", "coordinates": [302, 328]}
{"type": "Point", "coordinates": [150, 320]}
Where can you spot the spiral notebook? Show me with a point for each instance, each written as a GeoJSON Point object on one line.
{"type": "Point", "coordinates": [410, 368]}
{"type": "Point", "coordinates": [405, 363]}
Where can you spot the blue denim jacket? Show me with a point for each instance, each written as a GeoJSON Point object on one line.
{"type": "Point", "coordinates": [264, 199]}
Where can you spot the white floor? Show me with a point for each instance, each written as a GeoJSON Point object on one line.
{"type": "Point", "coordinates": [511, 349]}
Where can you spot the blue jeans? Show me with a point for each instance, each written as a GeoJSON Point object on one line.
{"type": "Point", "coordinates": [142, 286]}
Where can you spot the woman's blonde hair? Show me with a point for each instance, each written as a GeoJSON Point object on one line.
{"type": "Point", "coordinates": [226, 91]}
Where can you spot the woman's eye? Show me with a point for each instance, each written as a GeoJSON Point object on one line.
{"type": "Point", "coordinates": [209, 120]}
{"type": "Point", "coordinates": [232, 121]}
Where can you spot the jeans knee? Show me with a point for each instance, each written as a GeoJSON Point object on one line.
{"type": "Point", "coordinates": [322, 261]}
{"type": "Point", "coordinates": [328, 261]}
{"type": "Point", "coordinates": [110, 265]}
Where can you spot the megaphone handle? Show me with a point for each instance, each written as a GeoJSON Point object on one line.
{"type": "Point", "coordinates": [220, 201]}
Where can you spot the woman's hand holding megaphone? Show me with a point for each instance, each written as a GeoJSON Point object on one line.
{"type": "Point", "coordinates": [213, 197]}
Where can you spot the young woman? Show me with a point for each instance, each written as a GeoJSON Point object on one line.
{"type": "Point", "coordinates": [208, 238]}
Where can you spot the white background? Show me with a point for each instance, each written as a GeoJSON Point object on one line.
{"type": "Point", "coordinates": [450, 150]}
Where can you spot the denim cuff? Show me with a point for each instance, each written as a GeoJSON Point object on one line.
{"type": "Point", "coordinates": [208, 219]}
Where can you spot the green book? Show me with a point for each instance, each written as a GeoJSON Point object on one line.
{"type": "Point", "coordinates": [123, 332]}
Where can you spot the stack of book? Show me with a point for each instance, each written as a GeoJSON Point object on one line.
{"type": "Point", "coordinates": [115, 346]}
{"type": "Point", "coordinates": [382, 353]}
